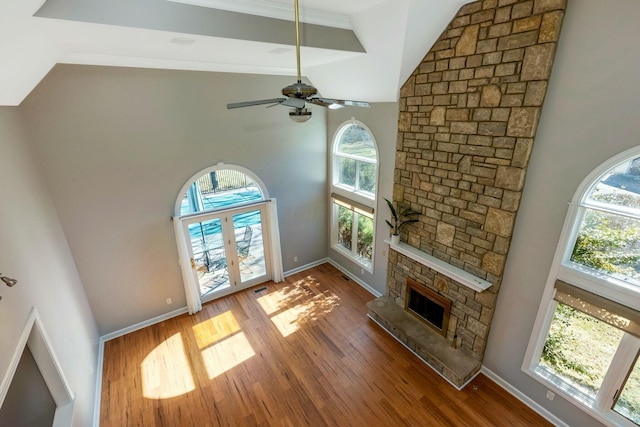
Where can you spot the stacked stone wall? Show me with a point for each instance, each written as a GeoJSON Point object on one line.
{"type": "Point", "coordinates": [467, 124]}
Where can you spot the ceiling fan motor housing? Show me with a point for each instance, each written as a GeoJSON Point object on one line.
{"type": "Point", "coordinates": [299, 90]}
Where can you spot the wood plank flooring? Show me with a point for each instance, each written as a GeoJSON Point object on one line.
{"type": "Point", "coordinates": [300, 353]}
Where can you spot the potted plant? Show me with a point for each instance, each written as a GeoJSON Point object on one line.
{"type": "Point", "coordinates": [405, 216]}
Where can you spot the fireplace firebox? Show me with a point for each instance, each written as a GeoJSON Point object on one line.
{"type": "Point", "coordinates": [428, 306]}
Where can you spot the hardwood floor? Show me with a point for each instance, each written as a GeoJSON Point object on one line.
{"type": "Point", "coordinates": [300, 353]}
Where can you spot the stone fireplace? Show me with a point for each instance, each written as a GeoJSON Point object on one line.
{"type": "Point", "coordinates": [466, 128]}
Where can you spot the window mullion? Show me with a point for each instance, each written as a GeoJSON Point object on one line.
{"type": "Point", "coordinates": [570, 241]}
{"type": "Point", "coordinates": [354, 234]}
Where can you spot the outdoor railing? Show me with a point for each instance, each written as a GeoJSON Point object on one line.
{"type": "Point", "coordinates": [223, 180]}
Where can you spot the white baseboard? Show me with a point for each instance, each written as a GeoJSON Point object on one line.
{"type": "Point", "coordinates": [354, 278]}
{"type": "Point", "coordinates": [144, 324]}
{"type": "Point", "coordinates": [305, 267]}
{"type": "Point", "coordinates": [523, 398]}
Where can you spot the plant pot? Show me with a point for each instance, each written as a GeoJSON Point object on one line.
{"type": "Point", "coordinates": [395, 239]}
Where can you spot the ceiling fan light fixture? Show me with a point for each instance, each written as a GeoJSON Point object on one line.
{"type": "Point", "coordinates": [300, 115]}
{"type": "Point", "coordinates": [298, 94]}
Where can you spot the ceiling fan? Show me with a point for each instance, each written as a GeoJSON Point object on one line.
{"type": "Point", "coordinates": [298, 94]}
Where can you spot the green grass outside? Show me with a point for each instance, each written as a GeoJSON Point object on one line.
{"type": "Point", "coordinates": [580, 349]}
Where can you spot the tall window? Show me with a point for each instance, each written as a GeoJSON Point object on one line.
{"type": "Point", "coordinates": [587, 337]}
{"type": "Point", "coordinates": [353, 192]}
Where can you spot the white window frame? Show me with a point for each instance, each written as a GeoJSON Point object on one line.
{"type": "Point", "coordinates": [606, 286]}
{"type": "Point", "coordinates": [359, 197]}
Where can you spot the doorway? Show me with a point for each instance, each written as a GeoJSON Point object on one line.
{"type": "Point", "coordinates": [227, 249]}
{"type": "Point", "coordinates": [227, 234]}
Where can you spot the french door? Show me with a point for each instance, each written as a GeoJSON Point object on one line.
{"type": "Point", "coordinates": [228, 250]}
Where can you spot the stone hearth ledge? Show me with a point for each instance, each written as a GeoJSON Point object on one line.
{"type": "Point", "coordinates": [459, 275]}
{"type": "Point", "coordinates": [457, 366]}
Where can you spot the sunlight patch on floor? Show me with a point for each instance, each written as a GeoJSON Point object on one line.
{"type": "Point", "coordinates": [166, 371]}
{"type": "Point", "coordinates": [304, 305]}
{"type": "Point", "coordinates": [215, 329]}
{"type": "Point", "coordinates": [227, 354]}
{"type": "Point", "coordinates": [273, 301]}
{"type": "Point", "coordinates": [286, 322]}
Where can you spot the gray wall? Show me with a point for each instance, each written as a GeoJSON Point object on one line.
{"type": "Point", "coordinates": [33, 250]}
{"type": "Point", "coordinates": [116, 145]}
{"type": "Point", "coordinates": [382, 120]}
{"type": "Point", "coordinates": [590, 114]}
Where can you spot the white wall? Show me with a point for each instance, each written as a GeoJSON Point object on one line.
{"type": "Point", "coordinates": [382, 120]}
{"type": "Point", "coordinates": [590, 114]}
{"type": "Point", "coordinates": [116, 145]}
{"type": "Point", "coordinates": [33, 250]}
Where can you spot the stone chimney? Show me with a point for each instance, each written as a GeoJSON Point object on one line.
{"type": "Point", "coordinates": [467, 125]}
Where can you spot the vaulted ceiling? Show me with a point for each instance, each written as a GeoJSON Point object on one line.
{"type": "Point", "coordinates": [355, 49]}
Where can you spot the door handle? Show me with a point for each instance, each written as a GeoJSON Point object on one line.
{"type": "Point", "coordinates": [193, 263]}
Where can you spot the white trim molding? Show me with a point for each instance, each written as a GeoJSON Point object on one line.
{"type": "Point", "coordinates": [35, 337]}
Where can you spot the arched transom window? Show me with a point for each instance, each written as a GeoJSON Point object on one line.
{"type": "Point", "coordinates": [220, 187]}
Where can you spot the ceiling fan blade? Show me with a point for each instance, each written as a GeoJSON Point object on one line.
{"type": "Point", "coordinates": [251, 103]}
{"type": "Point", "coordinates": [338, 103]}
{"type": "Point", "coordinates": [322, 103]}
{"type": "Point", "coordinates": [293, 102]}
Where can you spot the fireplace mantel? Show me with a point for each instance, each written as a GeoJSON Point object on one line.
{"type": "Point", "coordinates": [459, 275]}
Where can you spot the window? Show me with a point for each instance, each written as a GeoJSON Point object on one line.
{"type": "Point", "coordinates": [219, 188]}
{"type": "Point", "coordinates": [353, 192]}
{"type": "Point", "coordinates": [586, 339]}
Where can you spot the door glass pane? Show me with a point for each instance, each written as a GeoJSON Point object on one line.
{"type": "Point", "coordinates": [347, 171]}
{"type": "Point", "coordinates": [247, 227]}
{"type": "Point", "coordinates": [628, 403]}
{"type": "Point", "coordinates": [345, 233]}
{"type": "Point", "coordinates": [578, 352]}
{"type": "Point", "coordinates": [209, 255]}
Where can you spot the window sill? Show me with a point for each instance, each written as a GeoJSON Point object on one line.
{"type": "Point", "coordinates": [459, 275]}
{"type": "Point", "coordinates": [580, 401]}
